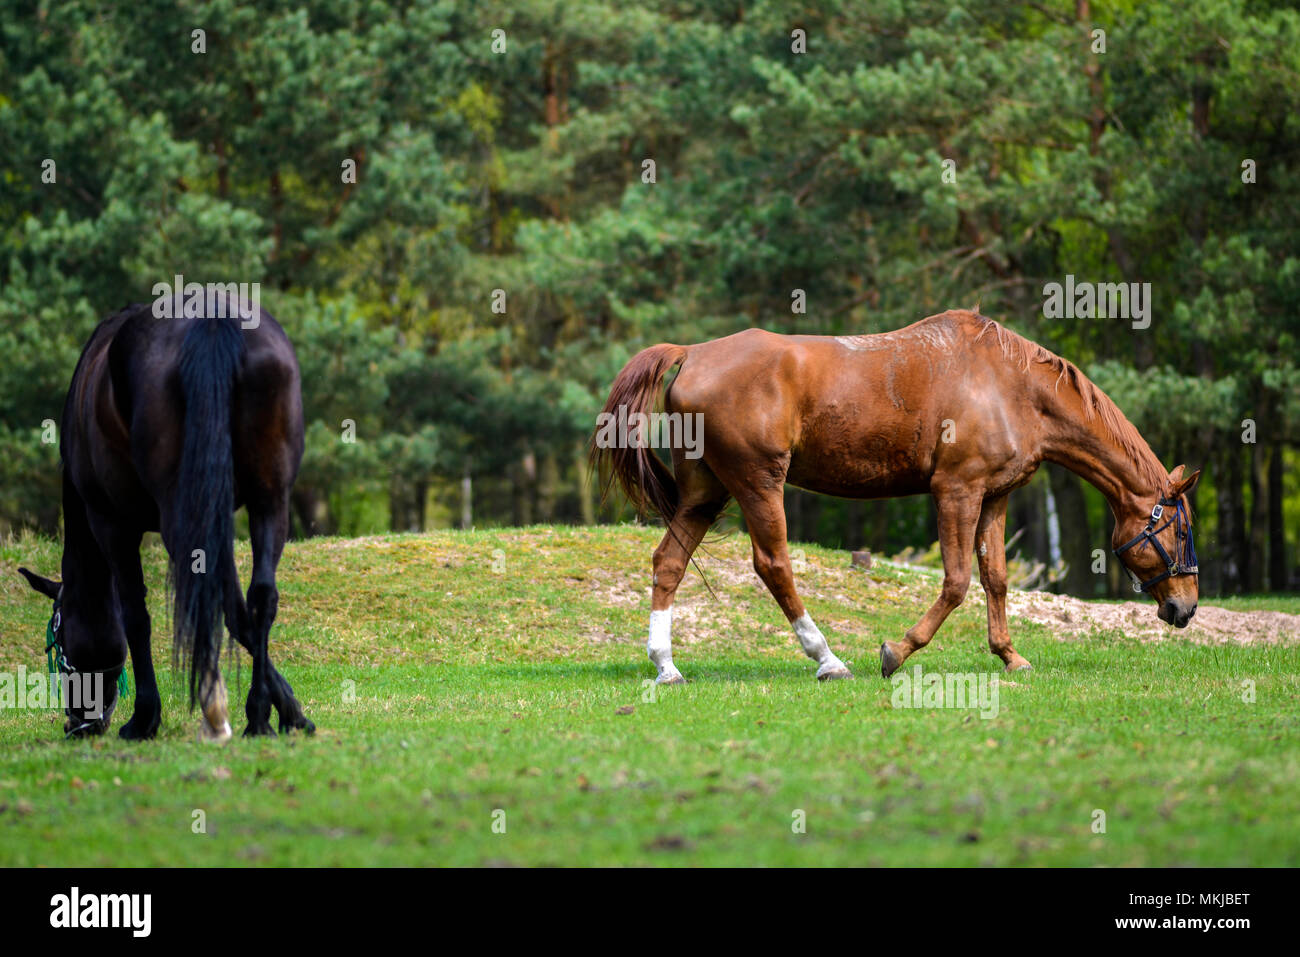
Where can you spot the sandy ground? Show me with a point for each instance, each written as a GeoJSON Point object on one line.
{"type": "Point", "coordinates": [698, 612]}
{"type": "Point", "coordinates": [1068, 616]}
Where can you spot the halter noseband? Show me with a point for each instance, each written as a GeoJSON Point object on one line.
{"type": "Point", "coordinates": [1186, 565]}
{"type": "Point", "coordinates": [58, 662]}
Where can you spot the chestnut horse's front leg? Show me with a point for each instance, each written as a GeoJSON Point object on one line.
{"type": "Point", "coordinates": [959, 509]}
{"type": "Point", "coordinates": [991, 548]}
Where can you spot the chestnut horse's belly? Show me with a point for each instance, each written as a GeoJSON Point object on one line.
{"type": "Point", "coordinates": [857, 470]}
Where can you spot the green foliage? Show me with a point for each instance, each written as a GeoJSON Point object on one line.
{"type": "Point", "coordinates": [521, 171]}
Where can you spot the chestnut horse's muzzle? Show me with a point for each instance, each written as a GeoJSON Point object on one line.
{"type": "Point", "coordinates": [1176, 612]}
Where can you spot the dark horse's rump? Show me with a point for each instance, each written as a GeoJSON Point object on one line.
{"type": "Point", "coordinates": [169, 425]}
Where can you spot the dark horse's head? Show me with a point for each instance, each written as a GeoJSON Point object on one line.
{"type": "Point", "coordinates": [89, 684]}
{"type": "Point", "coordinates": [1154, 546]}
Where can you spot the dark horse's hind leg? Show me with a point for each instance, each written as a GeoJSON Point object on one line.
{"type": "Point", "coordinates": [240, 623]}
{"type": "Point", "coordinates": [268, 527]}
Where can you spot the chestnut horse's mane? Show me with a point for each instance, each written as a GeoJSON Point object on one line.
{"type": "Point", "coordinates": [1096, 403]}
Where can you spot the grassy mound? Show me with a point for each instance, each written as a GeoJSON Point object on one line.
{"type": "Point", "coordinates": [482, 698]}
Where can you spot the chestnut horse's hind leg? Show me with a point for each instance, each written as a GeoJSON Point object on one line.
{"type": "Point", "coordinates": [991, 548]}
{"type": "Point", "coordinates": [765, 514]}
{"type": "Point", "coordinates": [702, 498]}
{"type": "Point", "coordinates": [959, 510]}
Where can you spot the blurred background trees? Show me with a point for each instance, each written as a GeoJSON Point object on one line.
{"type": "Point", "coordinates": [461, 305]}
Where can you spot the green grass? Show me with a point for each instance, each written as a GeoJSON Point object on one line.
{"type": "Point", "coordinates": [1285, 603]}
{"type": "Point", "coordinates": [453, 675]}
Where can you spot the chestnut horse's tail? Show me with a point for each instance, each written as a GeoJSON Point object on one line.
{"type": "Point", "coordinates": [644, 478]}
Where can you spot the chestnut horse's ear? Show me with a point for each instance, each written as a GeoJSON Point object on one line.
{"type": "Point", "coordinates": [1179, 485]}
{"type": "Point", "coordinates": [50, 589]}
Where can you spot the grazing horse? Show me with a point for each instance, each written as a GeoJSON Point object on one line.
{"type": "Point", "coordinates": [954, 405]}
{"type": "Point", "coordinates": [169, 425]}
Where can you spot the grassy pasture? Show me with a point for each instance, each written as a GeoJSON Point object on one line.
{"type": "Point", "coordinates": [461, 680]}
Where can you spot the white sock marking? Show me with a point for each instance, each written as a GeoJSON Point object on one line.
{"type": "Point", "coordinates": [815, 646]}
{"type": "Point", "coordinates": [660, 645]}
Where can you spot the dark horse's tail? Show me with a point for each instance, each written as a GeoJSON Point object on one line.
{"type": "Point", "coordinates": [203, 530]}
{"type": "Point", "coordinates": [644, 478]}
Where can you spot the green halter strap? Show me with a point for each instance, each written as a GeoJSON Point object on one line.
{"type": "Point", "coordinates": [57, 662]}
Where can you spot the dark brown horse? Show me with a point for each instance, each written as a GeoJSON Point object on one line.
{"type": "Point", "coordinates": [954, 405]}
{"type": "Point", "coordinates": [169, 425]}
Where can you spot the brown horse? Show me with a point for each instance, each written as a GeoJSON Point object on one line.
{"type": "Point", "coordinates": [954, 405]}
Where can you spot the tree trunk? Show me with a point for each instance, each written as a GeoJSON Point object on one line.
{"type": "Point", "coordinates": [1076, 536]}
{"type": "Point", "coordinates": [586, 488]}
{"type": "Point", "coordinates": [793, 511]}
{"type": "Point", "coordinates": [811, 519]}
{"type": "Point", "coordinates": [466, 499]}
{"type": "Point", "coordinates": [524, 486]}
{"type": "Point", "coordinates": [1257, 568]}
{"type": "Point", "coordinates": [420, 504]}
{"type": "Point", "coordinates": [878, 535]}
{"type": "Point", "coordinates": [547, 484]}
{"type": "Point", "coordinates": [1232, 539]}
{"type": "Point", "coordinates": [1277, 564]}
{"type": "Point", "coordinates": [396, 505]}
{"type": "Point", "coordinates": [851, 536]}
{"type": "Point", "coordinates": [1027, 511]}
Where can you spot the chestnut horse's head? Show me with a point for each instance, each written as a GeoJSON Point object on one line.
{"type": "Point", "coordinates": [1154, 546]}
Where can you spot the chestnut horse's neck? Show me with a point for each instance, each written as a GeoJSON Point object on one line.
{"type": "Point", "coordinates": [1088, 434]}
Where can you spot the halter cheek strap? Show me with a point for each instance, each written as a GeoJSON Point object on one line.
{"type": "Point", "coordinates": [1182, 535]}
{"type": "Point", "coordinates": [58, 662]}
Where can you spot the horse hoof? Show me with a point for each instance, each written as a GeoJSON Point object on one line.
{"type": "Point", "coordinates": [215, 735]}
{"type": "Point", "coordinates": [889, 661]}
{"type": "Point", "coordinates": [674, 678]}
{"type": "Point", "coordinates": [263, 730]}
{"type": "Point", "coordinates": [85, 729]}
{"type": "Point", "coordinates": [834, 674]}
{"type": "Point", "coordinates": [1018, 664]}
{"type": "Point", "coordinates": [303, 724]}
{"type": "Point", "coordinates": [137, 730]}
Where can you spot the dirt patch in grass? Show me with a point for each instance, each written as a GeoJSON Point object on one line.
{"type": "Point", "coordinates": [1068, 617]}
{"type": "Point", "coordinates": [736, 608]}
{"type": "Point", "coordinates": [704, 617]}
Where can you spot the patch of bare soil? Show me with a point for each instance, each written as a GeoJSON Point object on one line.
{"type": "Point", "coordinates": [698, 616]}
{"type": "Point", "coordinates": [701, 617]}
{"type": "Point", "coordinates": [1067, 617]}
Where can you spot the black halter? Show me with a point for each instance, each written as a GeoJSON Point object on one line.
{"type": "Point", "coordinates": [58, 663]}
{"type": "Point", "coordinates": [1186, 549]}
